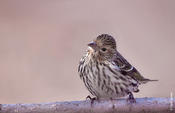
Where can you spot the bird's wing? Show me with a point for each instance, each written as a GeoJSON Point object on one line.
{"type": "Point", "coordinates": [127, 69]}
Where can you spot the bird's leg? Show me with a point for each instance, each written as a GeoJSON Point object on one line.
{"type": "Point", "coordinates": [131, 98]}
{"type": "Point", "coordinates": [91, 99]}
{"type": "Point", "coordinates": [113, 106]}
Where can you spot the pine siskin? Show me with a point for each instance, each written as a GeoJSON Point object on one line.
{"type": "Point", "coordinates": [106, 73]}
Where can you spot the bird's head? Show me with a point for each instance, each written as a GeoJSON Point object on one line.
{"type": "Point", "coordinates": [103, 47]}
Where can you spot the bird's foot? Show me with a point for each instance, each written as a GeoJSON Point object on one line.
{"type": "Point", "coordinates": [92, 99]}
{"type": "Point", "coordinates": [113, 106]}
{"type": "Point", "coordinates": [131, 98]}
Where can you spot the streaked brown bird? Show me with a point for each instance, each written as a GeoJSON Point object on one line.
{"type": "Point", "coordinates": [106, 73]}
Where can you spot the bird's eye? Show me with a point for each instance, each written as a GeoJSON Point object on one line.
{"type": "Point", "coordinates": [103, 49]}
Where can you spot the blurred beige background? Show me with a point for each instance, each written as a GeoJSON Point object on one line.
{"type": "Point", "coordinates": [41, 42]}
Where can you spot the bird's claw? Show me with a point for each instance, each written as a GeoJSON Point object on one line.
{"type": "Point", "coordinates": [91, 99]}
{"type": "Point", "coordinates": [131, 98]}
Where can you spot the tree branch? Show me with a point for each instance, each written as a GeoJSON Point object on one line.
{"type": "Point", "coordinates": [144, 105]}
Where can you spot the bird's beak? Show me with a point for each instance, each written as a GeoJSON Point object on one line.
{"type": "Point", "coordinates": [93, 45]}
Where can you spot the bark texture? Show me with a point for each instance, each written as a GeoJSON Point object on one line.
{"type": "Point", "coordinates": [142, 105]}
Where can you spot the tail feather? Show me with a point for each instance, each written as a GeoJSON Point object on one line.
{"type": "Point", "coordinates": [147, 80]}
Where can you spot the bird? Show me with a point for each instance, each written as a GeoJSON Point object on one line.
{"type": "Point", "coordinates": [106, 73]}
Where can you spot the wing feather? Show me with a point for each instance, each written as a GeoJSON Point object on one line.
{"type": "Point", "coordinates": [127, 69]}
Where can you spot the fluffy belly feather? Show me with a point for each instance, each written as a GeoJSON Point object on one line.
{"type": "Point", "coordinates": [104, 81]}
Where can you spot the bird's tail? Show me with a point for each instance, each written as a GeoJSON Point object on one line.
{"type": "Point", "coordinates": [147, 80]}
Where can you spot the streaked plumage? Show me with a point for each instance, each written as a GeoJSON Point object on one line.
{"type": "Point", "coordinates": [105, 72]}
